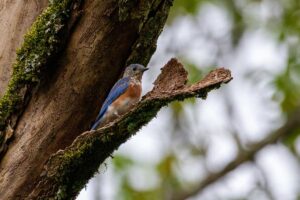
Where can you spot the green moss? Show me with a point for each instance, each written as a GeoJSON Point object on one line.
{"type": "Point", "coordinates": [67, 174]}
{"type": "Point", "coordinates": [61, 194]}
{"type": "Point", "coordinates": [150, 29]}
{"type": "Point", "coordinates": [71, 169]}
{"type": "Point", "coordinates": [41, 43]}
{"type": "Point", "coordinates": [143, 11]}
{"type": "Point", "coordinates": [142, 116]}
{"type": "Point", "coordinates": [125, 7]}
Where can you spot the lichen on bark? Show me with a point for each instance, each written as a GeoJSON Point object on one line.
{"type": "Point", "coordinates": [150, 30]}
{"type": "Point", "coordinates": [109, 41]}
{"type": "Point", "coordinates": [67, 171]}
{"type": "Point", "coordinates": [152, 15]}
{"type": "Point", "coordinates": [42, 42]}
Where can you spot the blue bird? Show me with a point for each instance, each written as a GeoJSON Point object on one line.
{"type": "Point", "coordinates": [121, 98]}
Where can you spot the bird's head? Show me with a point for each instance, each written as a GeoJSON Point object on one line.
{"type": "Point", "coordinates": [135, 70]}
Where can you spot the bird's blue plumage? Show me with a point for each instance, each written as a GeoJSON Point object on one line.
{"type": "Point", "coordinates": [118, 89]}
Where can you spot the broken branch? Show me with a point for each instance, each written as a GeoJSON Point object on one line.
{"type": "Point", "coordinates": [67, 171]}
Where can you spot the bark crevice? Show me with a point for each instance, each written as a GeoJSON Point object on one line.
{"type": "Point", "coordinates": [75, 84]}
{"type": "Point", "coordinates": [42, 43]}
{"type": "Point", "coordinates": [67, 171]}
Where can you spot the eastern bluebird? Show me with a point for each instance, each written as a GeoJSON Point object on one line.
{"type": "Point", "coordinates": [124, 94]}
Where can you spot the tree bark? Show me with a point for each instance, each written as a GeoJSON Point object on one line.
{"type": "Point", "coordinates": [13, 27]}
{"type": "Point", "coordinates": [68, 170]}
{"type": "Point", "coordinates": [68, 88]}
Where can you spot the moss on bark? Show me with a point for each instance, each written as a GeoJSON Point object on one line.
{"type": "Point", "coordinates": [67, 171]}
{"type": "Point", "coordinates": [150, 30]}
{"type": "Point", "coordinates": [41, 44]}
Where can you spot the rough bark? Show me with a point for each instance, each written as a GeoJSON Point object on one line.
{"type": "Point", "coordinates": [13, 27]}
{"type": "Point", "coordinates": [67, 171]}
{"type": "Point", "coordinates": [71, 86]}
{"type": "Point", "coordinates": [42, 42]}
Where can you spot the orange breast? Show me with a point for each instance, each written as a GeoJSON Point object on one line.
{"type": "Point", "coordinates": [133, 92]}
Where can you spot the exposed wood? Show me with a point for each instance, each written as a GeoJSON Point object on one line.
{"type": "Point", "coordinates": [15, 19]}
{"type": "Point", "coordinates": [67, 171]}
{"type": "Point", "coordinates": [75, 84]}
{"type": "Point", "coordinates": [42, 43]}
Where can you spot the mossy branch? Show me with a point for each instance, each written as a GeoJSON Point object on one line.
{"type": "Point", "coordinates": [96, 46]}
{"type": "Point", "coordinates": [67, 171]}
{"type": "Point", "coordinates": [42, 42]}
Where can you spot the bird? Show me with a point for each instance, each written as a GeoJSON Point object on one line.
{"type": "Point", "coordinates": [123, 95]}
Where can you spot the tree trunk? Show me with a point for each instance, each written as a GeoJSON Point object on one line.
{"type": "Point", "coordinates": [69, 59]}
{"type": "Point", "coordinates": [102, 35]}
{"type": "Point", "coordinates": [13, 27]}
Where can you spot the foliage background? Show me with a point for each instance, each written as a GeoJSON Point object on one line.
{"type": "Point", "coordinates": [259, 41]}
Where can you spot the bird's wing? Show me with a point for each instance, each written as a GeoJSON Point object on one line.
{"type": "Point", "coordinates": [118, 89]}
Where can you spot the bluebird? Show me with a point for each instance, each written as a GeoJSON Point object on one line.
{"type": "Point", "coordinates": [124, 94]}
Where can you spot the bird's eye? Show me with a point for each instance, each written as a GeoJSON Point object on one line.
{"type": "Point", "coordinates": [134, 69]}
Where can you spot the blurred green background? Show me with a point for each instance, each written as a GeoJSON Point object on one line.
{"type": "Point", "coordinates": [189, 142]}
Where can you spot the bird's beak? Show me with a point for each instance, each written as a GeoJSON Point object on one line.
{"type": "Point", "coordinates": [145, 69]}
